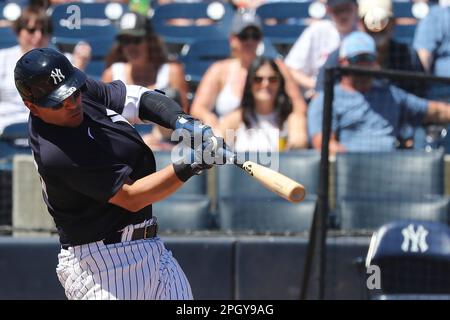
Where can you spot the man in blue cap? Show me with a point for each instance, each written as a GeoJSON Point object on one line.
{"type": "Point", "coordinates": [367, 113]}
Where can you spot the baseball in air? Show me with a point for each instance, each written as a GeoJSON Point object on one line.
{"type": "Point", "coordinates": [376, 19]}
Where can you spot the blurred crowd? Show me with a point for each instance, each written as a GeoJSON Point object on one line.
{"type": "Point", "coordinates": [260, 103]}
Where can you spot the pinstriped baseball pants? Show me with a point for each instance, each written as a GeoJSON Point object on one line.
{"type": "Point", "coordinates": [129, 270]}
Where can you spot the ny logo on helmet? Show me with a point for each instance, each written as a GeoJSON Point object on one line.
{"type": "Point", "coordinates": [57, 75]}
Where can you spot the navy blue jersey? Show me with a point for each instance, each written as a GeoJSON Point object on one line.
{"type": "Point", "coordinates": [82, 168]}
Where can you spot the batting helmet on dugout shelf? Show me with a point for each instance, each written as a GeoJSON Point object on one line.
{"type": "Point", "coordinates": [46, 77]}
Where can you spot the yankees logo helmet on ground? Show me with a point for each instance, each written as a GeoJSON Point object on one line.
{"type": "Point", "coordinates": [46, 77]}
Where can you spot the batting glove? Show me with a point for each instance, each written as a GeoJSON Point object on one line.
{"type": "Point", "coordinates": [192, 131]}
{"type": "Point", "coordinates": [203, 157]}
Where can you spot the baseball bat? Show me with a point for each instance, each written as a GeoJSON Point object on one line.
{"type": "Point", "coordinates": [271, 179]}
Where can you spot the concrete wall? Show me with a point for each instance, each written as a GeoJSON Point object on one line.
{"type": "Point", "coordinates": [218, 268]}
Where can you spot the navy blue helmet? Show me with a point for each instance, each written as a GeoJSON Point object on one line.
{"type": "Point", "coordinates": [46, 77]}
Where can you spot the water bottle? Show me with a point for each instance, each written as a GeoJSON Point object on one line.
{"type": "Point", "coordinates": [140, 6]}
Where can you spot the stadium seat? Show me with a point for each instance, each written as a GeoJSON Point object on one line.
{"type": "Point", "coordinates": [377, 187]}
{"type": "Point", "coordinates": [244, 204]}
{"type": "Point", "coordinates": [373, 213]}
{"type": "Point", "coordinates": [403, 9]}
{"type": "Point", "coordinates": [7, 37]}
{"type": "Point", "coordinates": [93, 23]}
{"type": "Point", "coordinates": [199, 55]}
{"type": "Point", "coordinates": [183, 212]}
{"type": "Point", "coordinates": [265, 215]}
{"type": "Point", "coordinates": [14, 140]}
{"type": "Point", "coordinates": [220, 14]}
{"type": "Point", "coordinates": [95, 68]}
{"type": "Point", "coordinates": [413, 257]}
{"type": "Point", "coordinates": [195, 185]}
{"type": "Point", "coordinates": [407, 15]}
{"type": "Point", "coordinates": [405, 33]}
{"type": "Point", "coordinates": [283, 22]}
{"type": "Point", "coordinates": [400, 174]}
{"type": "Point", "coordinates": [96, 27]}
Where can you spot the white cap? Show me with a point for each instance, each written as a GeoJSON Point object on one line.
{"type": "Point", "coordinates": [376, 19]}
{"type": "Point", "coordinates": [365, 6]}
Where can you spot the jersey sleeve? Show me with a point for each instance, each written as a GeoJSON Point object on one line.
{"type": "Point", "coordinates": [110, 95]}
{"type": "Point", "coordinates": [100, 183]}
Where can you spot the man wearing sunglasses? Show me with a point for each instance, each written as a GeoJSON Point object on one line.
{"type": "Point", "coordinates": [368, 114]}
{"type": "Point", "coordinates": [99, 178]}
{"type": "Point", "coordinates": [377, 20]}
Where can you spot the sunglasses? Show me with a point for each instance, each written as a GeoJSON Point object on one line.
{"type": "Point", "coordinates": [259, 80]}
{"type": "Point", "coordinates": [130, 40]}
{"type": "Point", "coordinates": [244, 36]}
{"type": "Point", "coordinates": [74, 98]}
{"type": "Point", "coordinates": [33, 30]}
{"type": "Point", "coordinates": [360, 58]}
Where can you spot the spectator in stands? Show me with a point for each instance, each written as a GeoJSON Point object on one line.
{"type": "Point", "coordinates": [368, 114]}
{"type": "Point", "coordinates": [316, 42]}
{"type": "Point", "coordinates": [432, 42]}
{"type": "Point", "coordinates": [33, 29]}
{"type": "Point", "coordinates": [140, 58]}
{"type": "Point", "coordinates": [376, 19]}
{"type": "Point", "coordinates": [260, 124]}
{"type": "Point", "coordinates": [221, 89]}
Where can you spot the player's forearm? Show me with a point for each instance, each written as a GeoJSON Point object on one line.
{"type": "Point", "coordinates": [147, 190]}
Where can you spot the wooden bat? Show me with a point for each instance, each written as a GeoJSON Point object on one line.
{"type": "Point", "coordinates": [274, 181]}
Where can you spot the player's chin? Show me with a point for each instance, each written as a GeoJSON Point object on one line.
{"type": "Point", "coordinates": [75, 119]}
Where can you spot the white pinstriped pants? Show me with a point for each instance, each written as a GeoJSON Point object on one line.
{"type": "Point", "coordinates": [129, 270]}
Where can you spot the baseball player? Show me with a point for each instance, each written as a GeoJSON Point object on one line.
{"type": "Point", "coordinates": [99, 180]}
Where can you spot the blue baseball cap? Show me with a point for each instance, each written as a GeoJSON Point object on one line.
{"type": "Point", "coordinates": [357, 43]}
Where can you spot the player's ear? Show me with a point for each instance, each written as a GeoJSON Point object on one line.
{"type": "Point", "coordinates": [32, 107]}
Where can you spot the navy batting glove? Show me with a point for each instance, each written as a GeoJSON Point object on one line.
{"type": "Point", "coordinates": [196, 160]}
{"type": "Point", "coordinates": [192, 131]}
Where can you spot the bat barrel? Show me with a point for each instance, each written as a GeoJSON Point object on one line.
{"type": "Point", "coordinates": [297, 194]}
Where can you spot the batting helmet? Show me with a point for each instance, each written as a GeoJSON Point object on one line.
{"type": "Point", "coordinates": [46, 77]}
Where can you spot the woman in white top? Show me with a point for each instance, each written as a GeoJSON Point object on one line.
{"type": "Point", "coordinates": [260, 124]}
{"type": "Point", "coordinates": [140, 58]}
{"type": "Point", "coordinates": [221, 88]}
